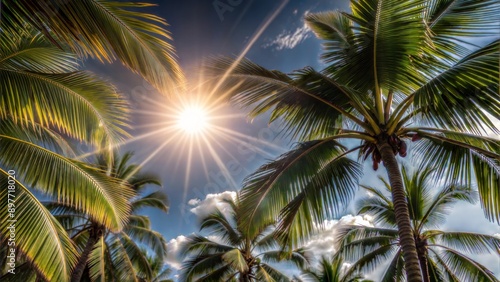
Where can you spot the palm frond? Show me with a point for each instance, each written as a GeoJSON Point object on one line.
{"type": "Point", "coordinates": [267, 273]}
{"type": "Point", "coordinates": [461, 97]}
{"type": "Point", "coordinates": [105, 30]}
{"type": "Point", "coordinates": [306, 99]}
{"type": "Point", "coordinates": [97, 262]}
{"type": "Point", "coordinates": [472, 243]}
{"type": "Point", "coordinates": [218, 224]}
{"type": "Point", "coordinates": [38, 234]}
{"type": "Point", "coordinates": [71, 182]}
{"type": "Point", "coordinates": [148, 237]}
{"type": "Point", "coordinates": [456, 156]}
{"type": "Point", "coordinates": [77, 103]}
{"type": "Point", "coordinates": [465, 268]}
{"type": "Point", "coordinates": [157, 199]}
{"type": "Point", "coordinates": [442, 203]}
{"type": "Point", "coordinates": [297, 186]}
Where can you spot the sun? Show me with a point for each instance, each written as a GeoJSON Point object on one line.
{"type": "Point", "coordinates": [193, 119]}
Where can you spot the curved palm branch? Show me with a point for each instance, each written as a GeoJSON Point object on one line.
{"type": "Point", "coordinates": [39, 81]}
{"type": "Point", "coordinates": [105, 30]}
{"type": "Point", "coordinates": [38, 235]}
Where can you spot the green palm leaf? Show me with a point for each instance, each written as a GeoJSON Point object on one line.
{"type": "Point", "coordinates": [465, 268]}
{"type": "Point", "coordinates": [314, 174]}
{"type": "Point", "coordinates": [38, 234]}
{"type": "Point", "coordinates": [70, 182]}
{"type": "Point", "coordinates": [104, 30]}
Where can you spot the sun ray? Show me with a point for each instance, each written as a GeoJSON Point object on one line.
{"type": "Point", "coordinates": [247, 48]}
{"type": "Point", "coordinates": [150, 156]}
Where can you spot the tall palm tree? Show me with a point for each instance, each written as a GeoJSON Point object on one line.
{"type": "Point", "coordinates": [46, 101]}
{"type": "Point", "coordinates": [443, 255]}
{"type": "Point", "coordinates": [330, 270]}
{"type": "Point", "coordinates": [395, 71]}
{"type": "Point", "coordinates": [119, 256]}
{"type": "Point", "coordinates": [132, 254]}
{"type": "Point", "coordinates": [104, 30]}
{"type": "Point", "coordinates": [234, 255]}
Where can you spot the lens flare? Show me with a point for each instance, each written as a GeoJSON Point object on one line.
{"type": "Point", "coordinates": [193, 119]}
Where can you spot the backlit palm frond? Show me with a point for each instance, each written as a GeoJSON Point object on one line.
{"type": "Point", "coordinates": [456, 156]}
{"type": "Point", "coordinates": [122, 263]}
{"type": "Point", "coordinates": [442, 203]}
{"type": "Point", "coordinates": [97, 262]}
{"type": "Point", "coordinates": [314, 174]}
{"type": "Point", "coordinates": [139, 257]}
{"type": "Point", "coordinates": [157, 199]}
{"type": "Point", "coordinates": [71, 182]}
{"type": "Point", "coordinates": [37, 133]}
{"type": "Point", "coordinates": [392, 30]}
{"type": "Point", "coordinates": [105, 30]}
{"type": "Point", "coordinates": [205, 265]}
{"type": "Point", "coordinates": [148, 237]}
{"type": "Point", "coordinates": [33, 52]}
{"type": "Point", "coordinates": [267, 273]}
{"type": "Point", "coordinates": [304, 100]}
{"type": "Point", "coordinates": [41, 85]}
{"type": "Point", "coordinates": [449, 19]}
{"type": "Point", "coordinates": [461, 97]}
{"type": "Point", "coordinates": [217, 223]}
{"type": "Point", "coordinates": [464, 268]}
{"type": "Point", "coordinates": [38, 235]}
{"type": "Point", "coordinates": [471, 243]}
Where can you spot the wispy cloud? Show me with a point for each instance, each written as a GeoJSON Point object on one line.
{"type": "Point", "coordinates": [289, 39]}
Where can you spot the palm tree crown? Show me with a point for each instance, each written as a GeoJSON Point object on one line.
{"type": "Point", "coordinates": [442, 254]}
{"type": "Point", "coordinates": [234, 255]}
{"type": "Point", "coordinates": [331, 269]}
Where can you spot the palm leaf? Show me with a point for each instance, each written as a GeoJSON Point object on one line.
{"type": "Point", "coordinates": [38, 234]}
{"type": "Point", "coordinates": [467, 242]}
{"type": "Point", "coordinates": [73, 183]}
{"type": "Point", "coordinates": [104, 30]}
{"type": "Point", "coordinates": [267, 273]}
{"type": "Point", "coordinates": [297, 186]}
{"type": "Point", "coordinates": [461, 97]}
{"type": "Point", "coordinates": [455, 158]}
{"type": "Point", "coordinates": [465, 268]}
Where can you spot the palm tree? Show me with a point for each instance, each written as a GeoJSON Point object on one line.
{"type": "Point", "coordinates": [46, 101]}
{"type": "Point", "coordinates": [395, 71]}
{"type": "Point", "coordinates": [330, 270]}
{"type": "Point", "coordinates": [442, 254]}
{"type": "Point", "coordinates": [234, 255]}
{"type": "Point", "coordinates": [105, 255]}
{"type": "Point", "coordinates": [104, 30]}
{"type": "Point", "coordinates": [119, 256]}
{"type": "Point", "coordinates": [159, 269]}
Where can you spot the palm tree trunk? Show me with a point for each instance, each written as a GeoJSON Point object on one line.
{"type": "Point", "coordinates": [95, 236]}
{"type": "Point", "coordinates": [412, 265]}
{"type": "Point", "coordinates": [424, 267]}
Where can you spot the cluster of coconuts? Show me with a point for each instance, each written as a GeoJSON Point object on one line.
{"type": "Point", "coordinates": [398, 147]}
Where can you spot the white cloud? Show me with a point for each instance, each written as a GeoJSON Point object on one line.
{"type": "Point", "coordinates": [324, 242]}
{"type": "Point", "coordinates": [204, 207]}
{"type": "Point", "coordinates": [173, 251]}
{"type": "Point", "coordinates": [289, 39]}
{"type": "Point", "coordinates": [194, 202]}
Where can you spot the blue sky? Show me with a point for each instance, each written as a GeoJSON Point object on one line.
{"type": "Point", "coordinates": [205, 28]}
